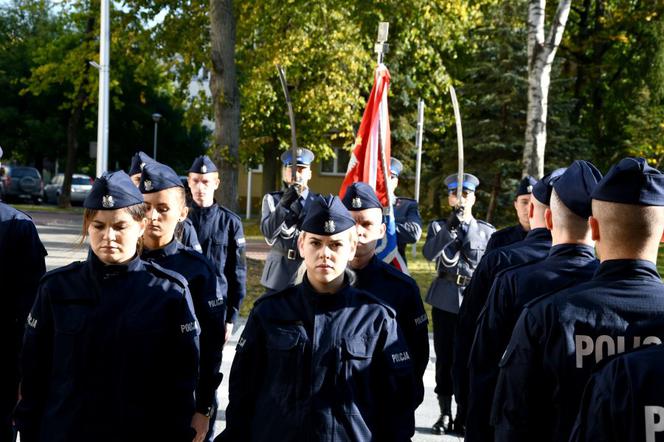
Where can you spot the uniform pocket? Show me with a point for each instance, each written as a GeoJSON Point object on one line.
{"type": "Point", "coordinates": [220, 248]}
{"type": "Point", "coordinates": [355, 379]}
{"type": "Point", "coordinates": [285, 348]}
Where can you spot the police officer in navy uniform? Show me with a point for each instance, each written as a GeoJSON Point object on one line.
{"type": "Point", "coordinates": [571, 260]}
{"type": "Point", "coordinates": [184, 231]}
{"type": "Point", "coordinates": [165, 197]}
{"type": "Point", "coordinates": [321, 360]}
{"type": "Point", "coordinates": [533, 248]}
{"type": "Point", "coordinates": [456, 245]}
{"type": "Point", "coordinates": [559, 339]}
{"type": "Point", "coordinates": [221, 236]}
{"type": "Point", "coordinates": [406, 212]}
{"type": "Point", "coordinates": [624, 401]}
{"type": "Point", "coordinates": [281, 221]}
{"type": "Point", "coordinates": [510, 235]}
{"type": "Point", "coordinates": [111, 343]}
{"type": "Point", "coordinates": [394, 287]}
{"type": "Point", "coordinates": [21, 267]}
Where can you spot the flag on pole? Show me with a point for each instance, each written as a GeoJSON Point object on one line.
{"type": "Point", "coordinates": [370, 159]}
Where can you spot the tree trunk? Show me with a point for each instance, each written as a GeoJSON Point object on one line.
{"type": "Point", "coordinates": [495, 190]}
{"type": "Point", "coordinates": [73, 123]}
{"type": "Point", "coordinates": [541, 53]}
{"type": "Point", "coordinates": [225, 99]}
{"type": "Point", "coordinates": [271, 166]}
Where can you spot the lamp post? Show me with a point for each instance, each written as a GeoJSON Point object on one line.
{"type": "Point", "coordinates": [155, 117]}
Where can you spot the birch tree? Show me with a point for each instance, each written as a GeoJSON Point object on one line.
{"type": "Point", "coordinates": [542, 49]}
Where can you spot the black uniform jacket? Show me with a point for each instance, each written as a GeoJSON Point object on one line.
{"type": "Point", "coordinates": [567, 265]}
{"type": "Point", "coordinates": [209, 309]}
{"type": "Point", "coordinates": [559, 339]}
{"type": "Point", "coordinates": [400, 292]}
{"type": "Point", "coordinates": [222, 240]}
{"type": "Point", "coordinates": [505, 237]}
{"type": "Point", "coordinates": [320, 367]}
{"type": "Point", "coordinates": [108, 352]}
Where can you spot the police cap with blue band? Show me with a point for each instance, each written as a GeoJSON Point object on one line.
{"type": "Point", "coordinates": [157, 176]}
{"type": "Point", "coordinates": [526, 185]}
{"type": "Point", "coordinates": [304, 157]}
{"type": "Point", "coordinates": [396, 167]}
{"type": "Point", "coordinates": [361, 196]}
{"type": "Point", "coordinates": [575, 186]}
{"type": "Point", "coordinates": [138, 161]}
{"type": "Point", "coordinates": [202, 164]}
{"type": "Point", "coordinates": [470, 182]}
{"type": "Point", "coordinates": [631, 181]}
{"type": "Point", "coordinates": [543, 188]}
{"type": "Point", "coordinates": [113, 190]}
{"type": "Point", "coordinates": [327, 216]}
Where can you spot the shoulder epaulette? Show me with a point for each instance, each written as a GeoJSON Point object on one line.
{"type": "Point", "coordinates": [233, 215]}
{"type": "Point", "coordinates": [486, 224]}
{"type": "Point", "coordinates": [68, 268]}
{"type": "Point", "coordinates": [269, 295]}
{"type": "Point", "coordinates": [198, 255]}
{"type": "Point", "coordinates": [168, 274]}
{"type": "Point", "coordinates": [393, 271]}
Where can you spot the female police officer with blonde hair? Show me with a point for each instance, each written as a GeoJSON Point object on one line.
{"type": "Point", "coordinates": [111, 343]}
{"type": "Point", "coordinates": [321, 360]}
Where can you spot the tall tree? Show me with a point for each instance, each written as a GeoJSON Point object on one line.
{"type": "Point", "coordinates": [541, 53]}
{"type": "Point", "coordinates": [225, 98]}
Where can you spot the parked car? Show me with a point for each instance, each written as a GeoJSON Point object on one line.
{"type": "Point", "coordinates": [21, 182]}
{"type": "Point", "coordinates": [80, 188]}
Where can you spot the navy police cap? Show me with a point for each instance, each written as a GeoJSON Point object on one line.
{"type": "Point", "coordinates": [113, 190]}
{"type": "Point", "coordinates": [304, 157]}
{"type": "Point", "coordinates": [157, 176]}
{"type": "Point", "coordinates": [470, 182]}
{"type": "Point", "coordinates": [361, 196]}
{"type": "Point", "coordinates": [327, 216]}
{"type": "Point", "coordinates": [202, 164]}
{"type": "Point", "coordinates": [575, 186]}
{"type": "Point", "coordinates": [526, 186]}
{"type": "Point", "coordinates": [396, 167]}
{"type": "Point", "coordinates": [632, 181]}
{"type": "Point", "coordinates": [138, 161]}
{"type": "Point", "coordinates": [543, 188]}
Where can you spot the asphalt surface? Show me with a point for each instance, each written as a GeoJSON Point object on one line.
{"type": "Point", "coordinates": [61, 235]}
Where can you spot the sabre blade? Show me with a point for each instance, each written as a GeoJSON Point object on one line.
{"type": "Point", "coordinates": [291, 117]}
{"type": "Point", "coordinates": [457, 118]}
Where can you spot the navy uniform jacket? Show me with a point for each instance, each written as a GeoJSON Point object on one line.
{"type": "Point", "coordinates": [21, 267]}
{"type": "Point", "coordinates": [535, 247]}
{"type": "Point", "coordinates": [408, 223]}
{"type": "Point", "coordinates": [400, 292]}
{"type": "Point", "coordinates": [209, 308]}
{"type": "Point", "coordinates": [624, 401]}
{"type": "Point", "coordinates": [558, 341]}
{"type": "Point", "coordinates": [467, 244]}
{"type": "Point", "coordinates": [504, 237]}
{"type": "Point", "coordinates": [320, 367]}
{"type": "Point", "coordinates": [188, 236]}
{"type": "Point", "coordinates": [281, 226]}
{"type": "Point", "coordinates": [221, 236]}
{"type": "Point", "coordinates": [567, 265]}
{"type": "Point", "coordinates": [108, 350]}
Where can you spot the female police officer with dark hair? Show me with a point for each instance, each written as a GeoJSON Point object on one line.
{"type": "Point", "coordinates": [321, 360]}
{"type": "Point", "coordinates": [111, 343]}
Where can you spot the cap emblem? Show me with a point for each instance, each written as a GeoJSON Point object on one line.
{"type": "Point", "coordinates": [148, 185]}
{"type": "Point", "coordinates": [107, 201]}
{"type": "Point", "coordinates": [356, 203]}
{"type": "Point", "coordinates": [329, 226]}
{"type": "Point", "coordinates": [141, 166]}
{"type": "Point", "coordinates": [529, 189]}
{"type": "Point", "coordinates": [203, 168]}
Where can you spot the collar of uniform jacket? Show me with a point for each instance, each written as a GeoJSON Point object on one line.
{"type": "Point", "coordinates": [108, 271]}
{"type": "Point", "coordinates": [572, 250]}
{"type": "Point", "coordinates": [169, 249]}
{"type": "Point", "coordinates": [619, 269]}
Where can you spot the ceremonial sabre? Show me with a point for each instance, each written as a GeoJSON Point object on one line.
{"type": "Point", "coordinates": [457, 118]}
{"type": "Point", "coordinates": [291, 116]}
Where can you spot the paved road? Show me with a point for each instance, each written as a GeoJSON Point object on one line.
{"type": "Point", "coordinates": [61, 235]}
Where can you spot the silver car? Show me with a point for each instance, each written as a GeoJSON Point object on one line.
{"type": "Point", "coordinates": [80, 188]}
